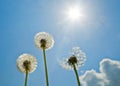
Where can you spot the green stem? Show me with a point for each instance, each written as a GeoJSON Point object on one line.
{"type": "Point", "coordinates": [26, 78]}
{"type": "Point", "coordinates": [76, 73]}
{"type": "Point", "coordinates": [46, 71]}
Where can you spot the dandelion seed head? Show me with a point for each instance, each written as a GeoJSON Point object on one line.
{"type": "Point", "coordinates": [44, 40]}
{"type": "Point", "coordinates": [26, 62]}
{"type": "Point", "coordinates": [77, 58]}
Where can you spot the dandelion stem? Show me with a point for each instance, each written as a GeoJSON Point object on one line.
{"type": "Point", "coordinates": [46, 71]}
{"type": "Point", "coordinates": [26, 78]}
{"type": "Point", "coordinates": [76, 73]}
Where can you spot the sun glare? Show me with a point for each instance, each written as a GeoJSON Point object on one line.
{"type": "Point", "coordinates": [74, 13]}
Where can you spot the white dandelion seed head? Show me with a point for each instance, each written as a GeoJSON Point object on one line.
{"type": "Point", "coordinates": [78, 57]}
{"type": "Point", "coordinates": [44, 36]}
{"type": "Point", "coordinates": [26, 58]}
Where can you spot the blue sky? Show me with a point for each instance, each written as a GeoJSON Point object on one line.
{"type": "Point", "coordinates": [98, 35]}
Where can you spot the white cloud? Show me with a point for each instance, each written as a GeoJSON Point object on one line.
{"type": "Point", "coordinates": [109, 74]}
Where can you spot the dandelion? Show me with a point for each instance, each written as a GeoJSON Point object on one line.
{"type": "Point", "coordinates": [44, 41]}
{"type": "Point", "coordinates": [75, 61]}
{"type": "Point", "coordinates": [26, 63]}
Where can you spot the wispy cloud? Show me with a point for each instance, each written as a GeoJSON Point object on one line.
{"type": "Point", "coordinates": [108, 75]}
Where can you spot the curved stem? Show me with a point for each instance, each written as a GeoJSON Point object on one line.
{"type": "Point", "coordinates": [76, 73]}
{"type": "Point", "coordinates": [46, 71]}
{"type": "Point", "coordinates": [26, 78]}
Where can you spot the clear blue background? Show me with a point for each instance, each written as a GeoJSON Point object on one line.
{"type": "Point", "coordinates": [20, 20]}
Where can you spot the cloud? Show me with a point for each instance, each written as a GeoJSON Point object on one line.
{"type": "Point", "coordinates": [109, 74]}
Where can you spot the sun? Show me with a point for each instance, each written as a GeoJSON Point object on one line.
{"type": "Point", "coordinates": [74, 13]}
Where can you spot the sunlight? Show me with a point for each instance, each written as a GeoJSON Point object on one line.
{"type": "Point", "coordinates": [74, 13]}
